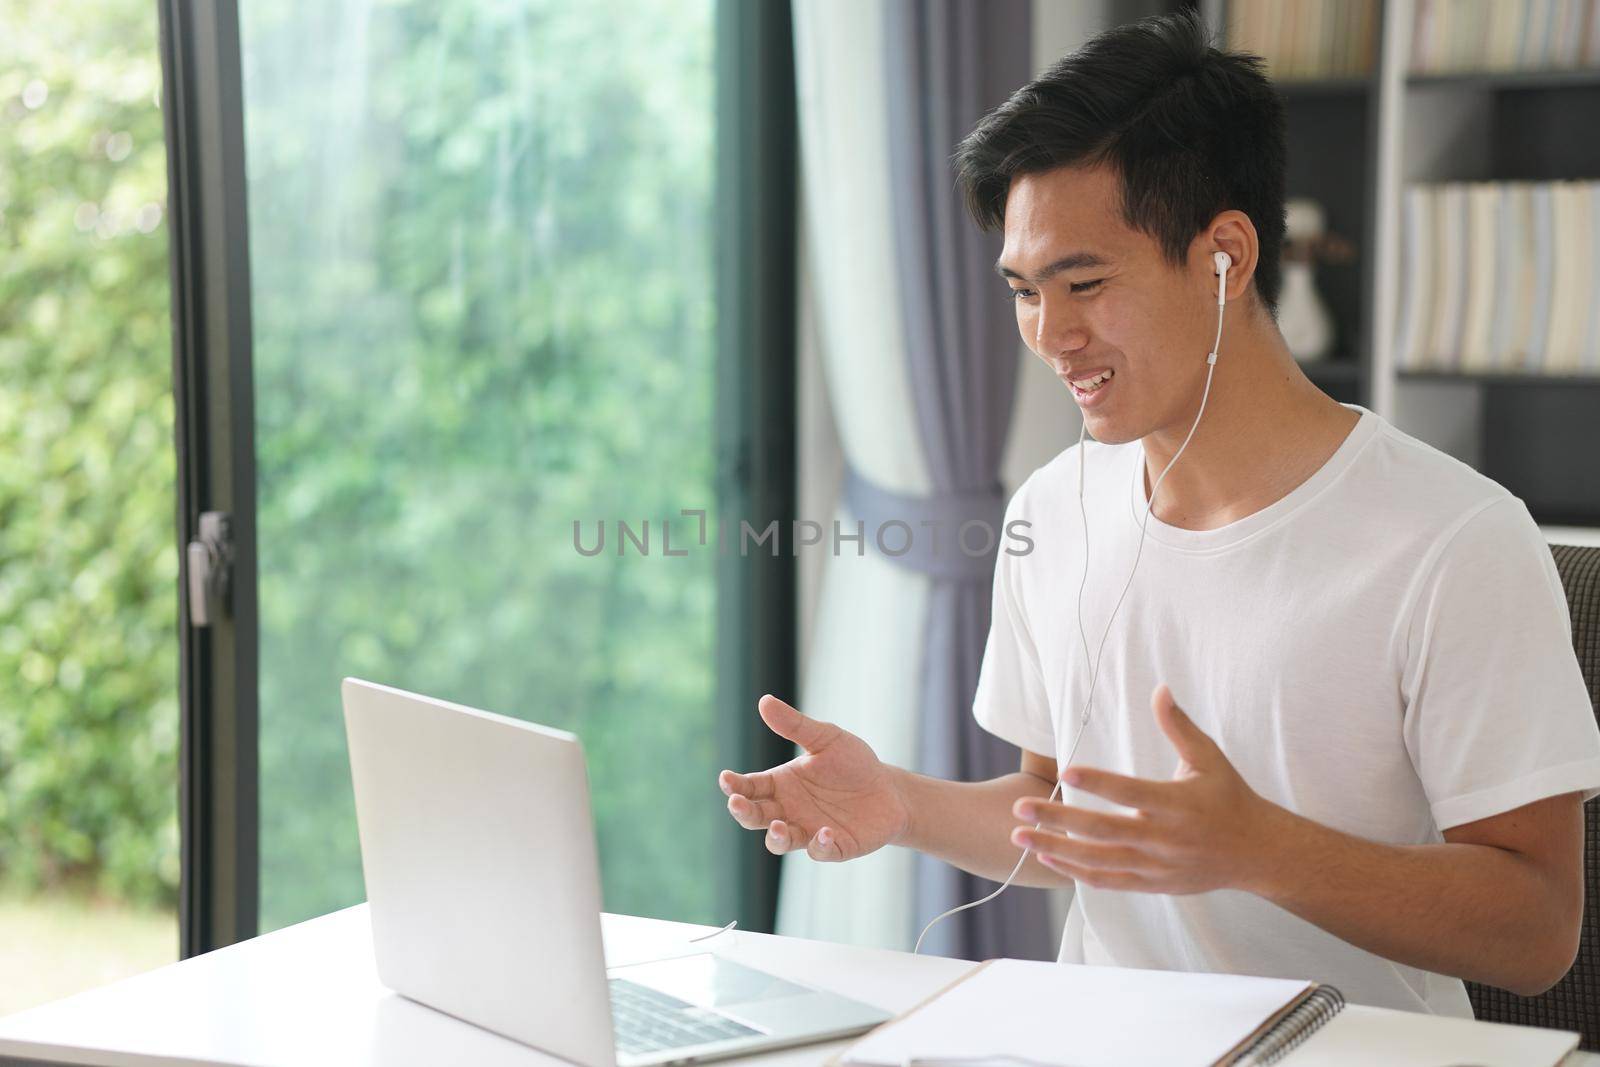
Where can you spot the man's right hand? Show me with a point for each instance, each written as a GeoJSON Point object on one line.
{"type": "Point", "coordinates": [838, 801]}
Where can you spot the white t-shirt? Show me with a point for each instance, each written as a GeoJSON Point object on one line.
{"type": "Point", "coordinates": [1386, 650]}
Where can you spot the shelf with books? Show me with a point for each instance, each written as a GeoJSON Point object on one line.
{"type": "Point", "coordinates": [1506, 373]}
{"type": "Point", "coordinates": [1496, 278]}
{"type": "Point", "coordinates": [1313, 40]}
{"type": "Point", "coordinates": [1447, 36]}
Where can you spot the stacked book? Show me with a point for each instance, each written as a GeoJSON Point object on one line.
{"type": "Point", "coordinates": [1499, 277]}
{"type": "Point", "coordinates": [1303, 39]}
{"type": "Point", "coordinates": [1452, 36]}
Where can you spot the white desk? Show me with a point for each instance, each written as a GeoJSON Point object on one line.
{"type": "Point", "coordinates": [308, 996]}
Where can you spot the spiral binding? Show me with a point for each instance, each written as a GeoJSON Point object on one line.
{"type": "Point", "coordinates": [1306, 1019]}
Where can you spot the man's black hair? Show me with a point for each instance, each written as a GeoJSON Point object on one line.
{"type": "Point", "coordinates": [1190, 130]}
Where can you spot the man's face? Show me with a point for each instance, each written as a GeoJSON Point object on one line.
{"type": "Point", "coordinates": [1096, 298]}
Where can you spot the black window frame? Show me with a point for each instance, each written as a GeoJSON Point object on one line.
{"type": "Point", "coordinates": [757, 468]}
{"type": "Point", "coordinates": [214, 434]}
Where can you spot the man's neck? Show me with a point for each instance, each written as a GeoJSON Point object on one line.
{"type": "Point", "coordinates": [1265, 430]}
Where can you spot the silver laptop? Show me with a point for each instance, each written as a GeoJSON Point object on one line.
{"type": "Point", "coordinates": [479, 853]}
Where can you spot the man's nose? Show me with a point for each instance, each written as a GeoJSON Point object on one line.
{"type": "Point", "coordinates": [1058, 330]}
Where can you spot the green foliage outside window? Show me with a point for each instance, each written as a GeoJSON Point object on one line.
{"type": "Point", "coordinates": [481, 270]}
{"type": "Point", "coordinates": [481, 257]}
{"type": "Point", "coordinates": [88, 564]}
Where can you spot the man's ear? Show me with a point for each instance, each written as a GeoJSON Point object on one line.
{"type": "Point", "coordinates": [1231, 232]}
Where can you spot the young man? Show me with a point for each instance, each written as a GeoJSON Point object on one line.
{"type": "Point", "coordinates": [1338, 730]}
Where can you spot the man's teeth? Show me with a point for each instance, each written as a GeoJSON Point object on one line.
{"type": "Point", "coordinates": [1089, 385]}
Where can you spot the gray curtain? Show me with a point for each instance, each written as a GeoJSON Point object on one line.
{"type": "Point", "coordinates": [949, 62]}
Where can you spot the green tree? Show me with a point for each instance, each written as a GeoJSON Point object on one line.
{"type": "Point", "coordinates": [88, 651]}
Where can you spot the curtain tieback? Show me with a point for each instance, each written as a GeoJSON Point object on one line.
{"type": "Point", "coordinates": [951, 536]}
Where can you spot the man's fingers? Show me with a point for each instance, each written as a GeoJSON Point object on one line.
{"type": "Point", "coordinates": [755, 786]}
{"type": "Point", "coordinates": [787, 837]}
{"type": "Point", "coordinates": [1082, 822]}
{"type": "Point", "coordinates": [1192, 743]}
{"type": "Point", "coordinates": [753, 814]}
{"type": "Point", "coordinates": [787, 722]}
{"type": "Point", "coordinates": [1091, 854]}
{"type": "Point", "coordinates": [1130, 881]}
{"type": "Point", "coordinates": [1119, 788]}
{"type": "Point", "coordinates": [824, 847]}
{"type": "Point", "coordinates": [784, 837]}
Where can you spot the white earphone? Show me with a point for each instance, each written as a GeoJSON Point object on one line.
{"type": "Point", "coordinates": [1222, 262]}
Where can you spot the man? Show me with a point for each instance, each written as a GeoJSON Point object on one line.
{"type": "Point", "coordinates": [1338, 730]}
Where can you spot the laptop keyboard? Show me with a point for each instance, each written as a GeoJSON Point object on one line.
{"type": "Point", "coordinates": [647, 1021]}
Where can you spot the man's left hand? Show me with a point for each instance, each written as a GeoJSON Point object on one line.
{"type": "Point", "coordinates": [1205, 829]}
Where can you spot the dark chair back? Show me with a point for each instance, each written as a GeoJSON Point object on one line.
{"type": "Point", "coordinates": [1574, 1002]}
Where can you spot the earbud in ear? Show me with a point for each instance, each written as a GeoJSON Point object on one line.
{"type": "Point", "coordinates": [1223, 262]}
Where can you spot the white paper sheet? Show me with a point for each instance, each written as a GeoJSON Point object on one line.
{"type": "Point", "coordinates": [1068, 1015]}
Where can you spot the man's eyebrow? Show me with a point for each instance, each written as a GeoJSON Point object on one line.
{"type": "Point", "coordinates": [1073, 262]}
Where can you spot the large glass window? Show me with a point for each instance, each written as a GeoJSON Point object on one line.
{"type": "Point", "coordinates": [481, 259]}
{"type": "Point", "coordinates": [88, 649]}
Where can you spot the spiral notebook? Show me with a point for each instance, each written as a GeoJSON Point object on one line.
{"type": "Point", "coordinates": [1018, 1013]}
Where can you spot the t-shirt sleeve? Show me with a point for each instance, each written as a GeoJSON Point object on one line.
{"type": "Point", "coordinates": [1497, 712]}
{"type": "Point", "coordinates": [1011, 700]}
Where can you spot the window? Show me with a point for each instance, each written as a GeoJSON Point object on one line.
{"type": "Point", "coordinates": [482, 286]}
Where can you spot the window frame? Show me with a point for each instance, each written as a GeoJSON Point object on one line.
{"type": "Point", "coordinates": [214, 435]}
{"type": "Point", "coordinates": [757, 601]}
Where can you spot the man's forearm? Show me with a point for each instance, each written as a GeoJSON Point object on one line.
{"type": "Point", "coordinates": [969, 824]}
{"type": "Point", "coordinates": [1473, 911]}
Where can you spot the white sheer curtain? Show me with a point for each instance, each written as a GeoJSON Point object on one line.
{"type": "Point", "coordinates": [859, 669]}
{"type": "Point", "coordinates": [863, 668]}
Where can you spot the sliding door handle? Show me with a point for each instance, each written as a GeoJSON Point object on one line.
{"type": "Point", "coordinates": [210, 565]}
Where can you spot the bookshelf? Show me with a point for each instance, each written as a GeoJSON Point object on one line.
{"type": "Point", "coordinates": [1357, 142]}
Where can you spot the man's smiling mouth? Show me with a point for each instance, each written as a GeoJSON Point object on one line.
{"type": "Point", "coordinates": [1091, 383]}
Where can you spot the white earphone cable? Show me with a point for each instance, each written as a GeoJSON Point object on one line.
{"type": "Point", "coordinates": [1099, 656]}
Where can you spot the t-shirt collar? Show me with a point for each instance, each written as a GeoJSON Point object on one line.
{"type": "Point", "coordinates": [1274, 513]}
